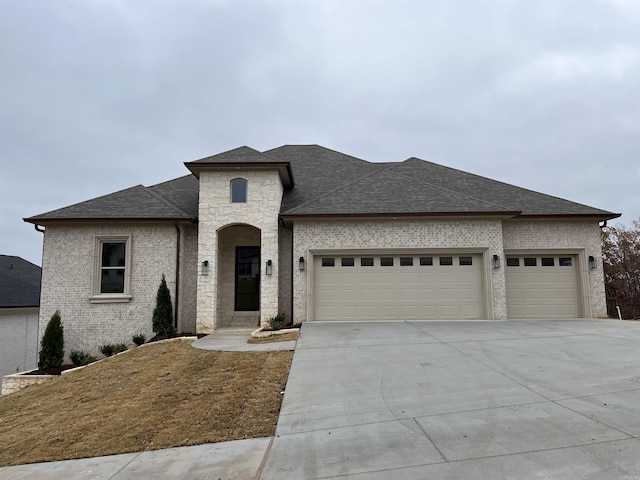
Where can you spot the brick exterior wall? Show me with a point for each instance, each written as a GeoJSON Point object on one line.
{"type": "Point", "coordinates": [188, 279]}
{"type": "Point", "coordinates": [18, 339]}
{"type": "Point", "coordinates": [481, 235]}
{"type": "Point", "coordinates": [67, 278]}
{"type": "Point", "coordinates": [579, 237]}
{"type": "Point", "coordinates": [286, 263]}
{"type": "Point", "coordinates": [264, 194]}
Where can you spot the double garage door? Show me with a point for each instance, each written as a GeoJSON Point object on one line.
{"type": "Point", "coordinates": [398, 287]}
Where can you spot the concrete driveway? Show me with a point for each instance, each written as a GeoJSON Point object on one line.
{"type": "Point", "coordinates": [455, 400]}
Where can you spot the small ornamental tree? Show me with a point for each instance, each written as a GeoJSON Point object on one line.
{"type": "Point", "coordinates": [52, 351]}
{"type": "Point", "coordinates": [163, 313]}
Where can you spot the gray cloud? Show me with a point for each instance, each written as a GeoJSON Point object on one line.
{"type": "Point", "coordinates": [98, 96]}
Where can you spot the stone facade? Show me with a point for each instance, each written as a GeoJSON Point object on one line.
{"type": "Point", "coordinates": [217, 212]}
{"type": "Point", "coordinates": [18, 339]}
{"type": "Point", "coordinates": [579, 237]}
{"type": "Point", "coordinates": [68, 276]}
{"type": "Point", "coordinates": [311, 236]}
{"type": "Point", "coordinates": [17, 381]}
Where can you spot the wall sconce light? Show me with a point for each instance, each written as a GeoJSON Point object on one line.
{"type": "Point", "coordinates": [496, 261]}
{"type": "Point", "coordinates": [301, 264]}
{"type": "Point", "coordinates": [205, 268]}
{"type": "Point", "coordinates": [592, 262]}
{"type": "Point", "coordinates": [269, 269]}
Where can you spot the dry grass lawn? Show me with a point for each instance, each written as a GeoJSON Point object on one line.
{"type": "Point", "coordinates": [159, 396]}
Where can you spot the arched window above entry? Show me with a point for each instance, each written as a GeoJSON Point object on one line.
{"type": "Point", "coordinates": [238, 190]}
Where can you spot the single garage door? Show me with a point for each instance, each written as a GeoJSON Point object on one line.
{"type": "Point", "coordinates": [398, 287]}
{"type": "Point", "coordinates": [542, 286]}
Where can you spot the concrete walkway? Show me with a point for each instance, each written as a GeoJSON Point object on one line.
{"type": "Point", "coordinates": [534, 399]}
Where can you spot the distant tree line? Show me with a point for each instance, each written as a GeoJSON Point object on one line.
{"type": "Point", "coordinates": [621, 257]}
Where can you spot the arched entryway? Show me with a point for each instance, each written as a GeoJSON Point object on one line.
{"type": "Point", "coordinates": [238, 286]}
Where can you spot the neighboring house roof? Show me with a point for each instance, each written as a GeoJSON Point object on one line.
{"type": "Point", "coordinates": [19, 282]}
{"type": "Point", "coordinates": [330, 183]}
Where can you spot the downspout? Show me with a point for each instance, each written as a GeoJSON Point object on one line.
{"type": "Point", "coordinates": [177, 296]}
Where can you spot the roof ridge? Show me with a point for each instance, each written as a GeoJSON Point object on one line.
{"type": "Point", "coordinates": [319, 146]}
{"type": "Point", "coordinates": [338, 188]}
{"type": "Point", "coordinates": [509, 185]}
{"type": "Point", "coordinates": [444, 188]}
{"type": "Point", "coordinates": [163, 199]}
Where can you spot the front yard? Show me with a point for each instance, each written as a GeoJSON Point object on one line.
{"type": "Point", "coordinates": [159, 396]}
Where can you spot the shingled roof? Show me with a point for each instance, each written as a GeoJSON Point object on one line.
{"type": "Point", "coordinates": [330, 183]}
{"type": "Point", "coordinates": [19, 282]}
{"type": "Point", "coordinates": [173, 200]}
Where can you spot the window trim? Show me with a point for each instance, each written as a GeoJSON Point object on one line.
{"type": "Point", "coordinates": [246, 189]}
{"type": "Point", "coordinates": [96, 295]}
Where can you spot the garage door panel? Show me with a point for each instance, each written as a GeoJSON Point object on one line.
{"type": "Point", "coordinates": [400, 291]}
{"type": "Point", "coordinates": [549, 291]}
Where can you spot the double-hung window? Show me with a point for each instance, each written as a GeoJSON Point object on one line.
{"type": "Point", "coordinates": [112, 269]}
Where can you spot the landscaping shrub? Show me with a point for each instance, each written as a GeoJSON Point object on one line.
{"type": "Point", "coordinates": [163, 313]}
{"type": "Point", "coordinates": [111, 349]}
{"type": "Point", "coordinates": [52, 351]}
{"type": "Point", "coordinates": [80, 358]}
{"type": "Point", "coordinates": [278, 322]}
{"type": "Point", "coordinates": [139, 339]}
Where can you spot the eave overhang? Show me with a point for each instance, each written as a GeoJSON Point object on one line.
{"type": "Point", "coordinates": [284, 168]}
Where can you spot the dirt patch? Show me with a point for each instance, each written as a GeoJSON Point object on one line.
{"type": "Point", "coordinates": [160, 396]}
{"type": "Point", "coordinates": [285, 337]}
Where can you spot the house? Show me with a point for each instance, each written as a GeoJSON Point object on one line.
{"type": "Point", "coordinates": [317, 235]}
{"type": "Point", "coordinates": [19, 305]}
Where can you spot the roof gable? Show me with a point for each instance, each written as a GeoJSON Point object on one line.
{"type": "Point", "coordinates": [243, 158]}
{"type": "Point", "coordinates": [19, 282]}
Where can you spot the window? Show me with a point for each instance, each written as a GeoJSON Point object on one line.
{"type": "Point", "coordinates": [238, 190]}
{"type": "Point", "coordinates": [513, 262]}
{"type": "Point", "coordinates": [328, 262]}
{"type": "Point", "coordinates": [111, 278]}
{"type": "Point", "coordinates": [530, 262]}
{"type": "Point", "coordinates": [247, 295]}
{"type": "Point", "coordinates": [406, 261]}
{"type": "Point", "coordinates": [366, 262]}
{"type": "Point", "coordinates": [565, 261]}
{"type": "Point", "coordinates": [426, 261]}
{"type": "Point", "coordinates": [547, 261]}
{"type": "Point", "coordinates": [446, 260]}
{"type": "Point", "coordinates": [466, 261]}
{"type": "Point", "coordinates": [347, 262]}
{"type": "Point", "coordinates": [386, 262]}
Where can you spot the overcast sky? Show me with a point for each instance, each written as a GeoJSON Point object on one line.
{"type": "Point", "coordinates": [97, 96]}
